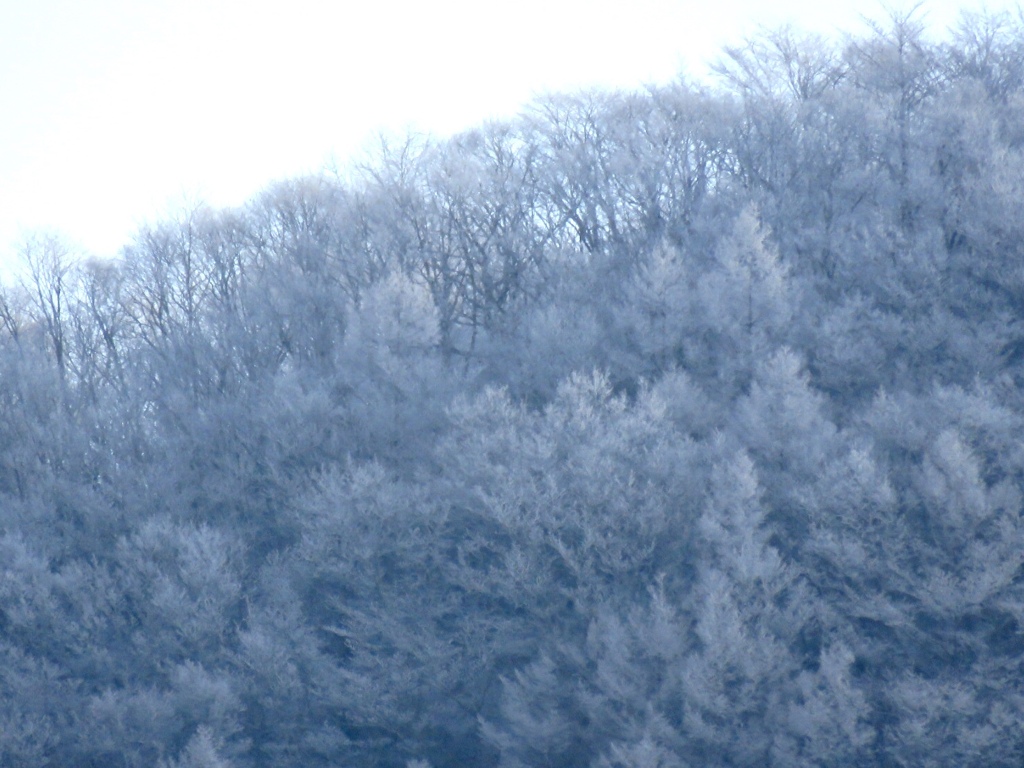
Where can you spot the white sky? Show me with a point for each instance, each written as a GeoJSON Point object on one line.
{"type": "Point", "coordinates": [113, 112]}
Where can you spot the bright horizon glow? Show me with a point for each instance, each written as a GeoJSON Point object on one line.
{"type": "Point", "coordinates": [118, 111]}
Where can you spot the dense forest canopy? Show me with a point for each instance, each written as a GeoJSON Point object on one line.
{"type": "Point", "coordinates": [657, 429]}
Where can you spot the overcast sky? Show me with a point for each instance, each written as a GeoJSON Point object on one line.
{"type": "Point", "coordinates": [113, 112]}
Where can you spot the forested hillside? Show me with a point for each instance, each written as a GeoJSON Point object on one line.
{"type": "Point", "coordinates": [646, 430]}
